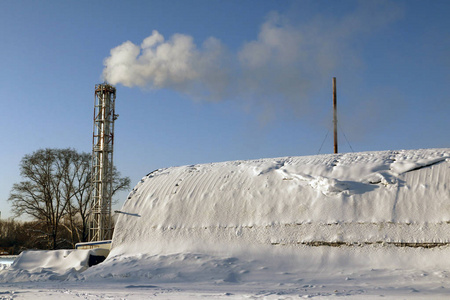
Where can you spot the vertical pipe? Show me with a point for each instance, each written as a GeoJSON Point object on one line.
{"type": "Point", "coordinates": [102, 168]}
{"type": "Point", "coordinates": [335, 116]}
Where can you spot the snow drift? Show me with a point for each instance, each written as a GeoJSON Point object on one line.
{"type": "Point", "coordinates": [41, 265]}
{"type": "Point", "coordinates": [397, 197]}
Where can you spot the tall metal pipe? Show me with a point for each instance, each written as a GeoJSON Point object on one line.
{"type": "Point", "coordinates": [100, 224]}
{"type": "Point", "coordinates": [335, 116]}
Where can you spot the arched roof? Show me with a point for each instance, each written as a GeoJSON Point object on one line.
{"type": "Point", "coordinates": [293, 200]}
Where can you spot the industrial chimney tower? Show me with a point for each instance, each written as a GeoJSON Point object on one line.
{"type": "Point", "coordinates": [100, 223]}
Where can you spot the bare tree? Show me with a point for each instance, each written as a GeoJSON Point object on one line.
{"type": "Point", "coordinates": [80, 201]}
{"type": "Point", "coordinates": [40, 195]}
{"type": "Point", "coordinates": [76, 189]}
{"type": "Point", "coordinates": [56, 191]}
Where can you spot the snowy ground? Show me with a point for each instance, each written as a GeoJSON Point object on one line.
{"type": "Point", "coordinates": [245, 230]}
{"type": "Point", "coordinates": [307, 272]}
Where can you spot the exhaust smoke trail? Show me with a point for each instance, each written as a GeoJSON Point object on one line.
{"type": "Point", "coordinates": [175, 64]}
{"type": "Point", "coordinates": [279, 70]}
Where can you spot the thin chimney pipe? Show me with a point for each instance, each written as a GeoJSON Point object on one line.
{"type": "Point", "coordinates": [335, 116]}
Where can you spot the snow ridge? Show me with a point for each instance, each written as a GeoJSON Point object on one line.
{"type": "Point", "coordinates": [355, 198]}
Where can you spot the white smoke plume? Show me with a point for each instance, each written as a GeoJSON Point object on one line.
{"type": "Point", "coordinates": [280, 67]}
{"type": "Point", "coordinates": [176, 63]}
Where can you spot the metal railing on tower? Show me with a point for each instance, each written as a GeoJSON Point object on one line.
{"type": "Point", "coordinates": [100, 224]}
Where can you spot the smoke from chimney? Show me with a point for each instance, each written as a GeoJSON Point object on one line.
{"type": "Point", "coordinates": [281, 67]}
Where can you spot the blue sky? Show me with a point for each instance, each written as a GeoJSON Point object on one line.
{"type": "Point", "coordinates": [222, 80]}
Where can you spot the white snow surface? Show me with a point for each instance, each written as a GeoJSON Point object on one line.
{"type": "Point", "coordinates": [370, 197]}
{"type": "Point", "coordinates": [49, 265]}
{"type": "Point", "coordinates": [346, 225]}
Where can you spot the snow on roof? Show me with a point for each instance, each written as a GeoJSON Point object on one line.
{"type": "Point", "coordinates": [368, 197]}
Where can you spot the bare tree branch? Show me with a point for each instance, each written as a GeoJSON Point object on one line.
{"type": "Point", "coordinates": [56, 188]}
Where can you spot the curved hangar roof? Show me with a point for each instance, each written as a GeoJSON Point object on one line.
{"type": "Point", "coordinates": [294, 200]}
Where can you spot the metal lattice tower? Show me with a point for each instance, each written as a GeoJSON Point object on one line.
{"type": "Point", "coordinates": [102, 163]}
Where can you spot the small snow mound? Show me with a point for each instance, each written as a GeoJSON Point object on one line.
{"type": "Point", "coordinates": [48, 265]}
{"type": "Point", "coordinates": [380, 178]}
{"type": "Point", "coordinates": [328, 186]}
